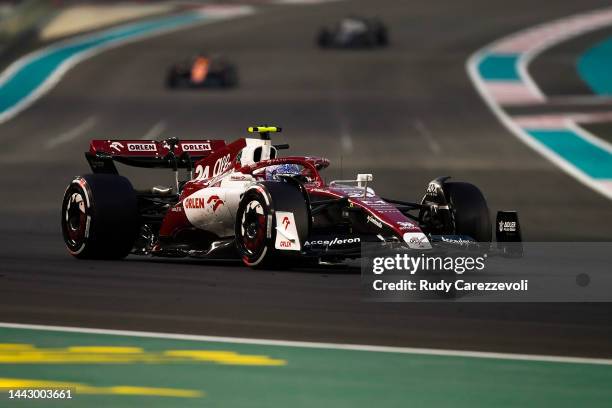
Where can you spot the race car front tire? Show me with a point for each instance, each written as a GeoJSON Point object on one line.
{"type": "Point", "coordinates": [470, 211]}
{"type": "Point", "coordinates": [256, 223]}
{"type": "Point", "coordinates": [172, 80]}
{"type": "Point", "coordinates": [100, 217]}
{"type": "Point", "coordinates": [382, 37]}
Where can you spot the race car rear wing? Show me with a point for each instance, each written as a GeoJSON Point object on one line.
{"type": "Point", "coordinates": [170, 153]}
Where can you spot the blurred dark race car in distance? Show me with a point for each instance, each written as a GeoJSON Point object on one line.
{"type": "Point", "coordinates": [354, 32]}
{"type": "Point", "coordinates": [203, 71]}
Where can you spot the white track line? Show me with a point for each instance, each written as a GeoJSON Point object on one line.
{"type": "Point", "coordinates": [588, 136]}
{"type": "Point", "coordinates": [315, 345]}
{"type": "Point", "coordinates": [581, 100]}
{"type": "Point", "coordinates": [155, 131]}
{"type": "Point", "coordinates": [73, 133]}
{"type": "Point", "coordinates": [424, 131]}
{"type": "Point", "coordinates": [346, 140]}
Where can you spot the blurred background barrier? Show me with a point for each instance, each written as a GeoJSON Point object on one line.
{"type": "Point", "coordinates": [22, 19]}
{"type": "Point", "coordinates": [22, 22]}
{"type": "Point", "coordinates": [84, 17]}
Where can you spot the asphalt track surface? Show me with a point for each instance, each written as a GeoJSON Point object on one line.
{"type": "Point", "coordinates": [406, 114]}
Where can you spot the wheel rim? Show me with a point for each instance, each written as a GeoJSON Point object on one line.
{"type": "Point", "coordinates": [75, 220]}
{"type": "Point", "coordinates": [253, 229]}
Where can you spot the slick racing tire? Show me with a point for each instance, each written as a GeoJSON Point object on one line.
{"type": "Point", "coordinates": [324, 38]}
{"type": "Point", "coordinates": [100, 217]}
{"type": "Point", "coordinates": [382, 37]}
{"type": "Point", "coordinates": [229, 78]}
{"type": "Point", "coordinates": [470, 210]}
{"type": "Point", "coordinates": [172, 80]}
{"type": "Point", "coordinates": [256, 223]}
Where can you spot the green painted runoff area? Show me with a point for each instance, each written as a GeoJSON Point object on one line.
{"type": "Point", "coordinates": [246, 375]}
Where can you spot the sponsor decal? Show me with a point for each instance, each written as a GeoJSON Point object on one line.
{"type": "Point", "coordinates": [320, 190]}
{"type": "Point", "coordinates": [216, 202]}
{"type": "Point", "coordinates": [374, 221]}
{"type": "Point", "coordinates": [221, 165]}
{"type": "Point", "coordinates": [379, 205]}
{"type": "Point", "coordinates": [359, 194]}
{"type": "Point", "coordinates": [118, 146]}
{"type": "Point", "coordinates": [286, 222]}
{"type": "Point", "coordinates": [196, 202]}
{"type": "Point", "coordinates": [334, 242]}
{"type": "Point", "coordinates": [195, 147]}
{"type": "Point", "coordinates": [199, 202]}
{"type": "Point", "coordinates": [457, 241]}
{"type": "Point", "coordinates": [406, 225]}
{"type": "Point", "coordinates": [376, 202]}
{"type": "Point", "coordinates": [142, 147]}
{"type": "Point", "coordinates": [507, 226]}
{"type": "Point", "coordinates": [432, 189]}
{"type": "Point", "coordinates": [269, 227]}
{"type": "Point", "coordinates": [417, 240]}
{"type": "Point", "coordinates": [286, 232]}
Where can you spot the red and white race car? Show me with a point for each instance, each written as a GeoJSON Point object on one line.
{"type": "Point", "coordinates": [243, 200]}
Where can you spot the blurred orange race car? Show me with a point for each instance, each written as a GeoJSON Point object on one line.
{"type": "Point", "coordinates": [203, 71]}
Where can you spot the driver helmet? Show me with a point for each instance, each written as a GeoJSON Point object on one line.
{"type": "Point", "coordinates": [272, 172]}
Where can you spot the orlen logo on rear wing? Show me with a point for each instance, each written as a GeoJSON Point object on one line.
{"type": "Point", "coordinates": [119, 148]}
{"type": "Point", "coordinates": [148, 153]}
{"type": "Point", "coordinates": [195, 147]}
{"type": "Point", "coordinates": [139, 147]}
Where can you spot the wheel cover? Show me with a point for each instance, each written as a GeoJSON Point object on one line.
{"type": "Point", "coordinates": [75, 220]}
{"type": "Point", "coordinates": [253, 228]}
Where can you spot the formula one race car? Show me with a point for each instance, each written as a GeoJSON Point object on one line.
{"type": "Point", "coordinates": [354, 32]}
{"type": "Point", "coordinates": [242, 200]}
{"type": "Point", "coordinates": [202, 71]}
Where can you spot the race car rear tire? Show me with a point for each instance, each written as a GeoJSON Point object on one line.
{"type": "Point", "coordinates": [470, 210]}
{"type": "Point", "coordinates": [324, 38]}
{"type": "Point", "coordinates": [229, 78]}
{"type": "Point", "coordinates": [100, 217]}
{"type": "Point", "coordinates": [256, 223]}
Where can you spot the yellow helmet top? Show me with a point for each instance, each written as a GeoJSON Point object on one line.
{"type": "Point", "coordinates": [264, 129]}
